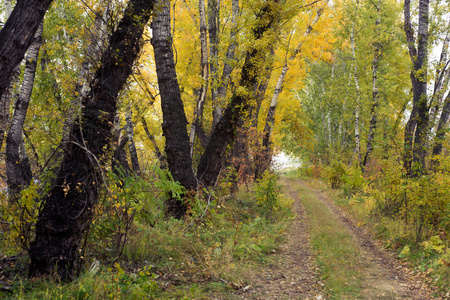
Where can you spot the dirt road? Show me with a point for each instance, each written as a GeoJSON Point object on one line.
{"type": "Point", "coordinates": [295, 275]}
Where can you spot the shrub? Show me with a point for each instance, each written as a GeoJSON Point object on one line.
{"type": "Point", "coordinates": [267, 192]}
{"type": "Point", "coordinates": [335, 173]}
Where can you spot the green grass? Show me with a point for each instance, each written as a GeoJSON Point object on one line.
{"type": "Point", "coordinates": [393, 230]}
{"type": "Point", "coordinates": [337, 253]}
{"type": "Point", "coordinates": [195, 258]}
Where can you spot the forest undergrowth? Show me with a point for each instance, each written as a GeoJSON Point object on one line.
{"type": "Point", "coordinates": [408, 215]}
{"type": "Point", "coordinates": [133, 251]}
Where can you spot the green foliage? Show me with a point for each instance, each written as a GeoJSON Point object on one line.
{"type": "Point", "coordinates": [126, 200]}
{"type": "Point", "coordinates": [267, 192]}
{"type": "Point", "coordinates": [354, 181]}
{"type": "Point", "coordinates": [411, 214]}
{"type": "Point", "coordinates": [223, 237]}
{"type": "Point", "coordinates": [336, 173]}
{"type": "Point", "coordinates": [109, 283]}
{"type": "Point", "coordinates": [19, 217]}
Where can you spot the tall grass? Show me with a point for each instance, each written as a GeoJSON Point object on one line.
{"type": "Point", "coordinates": [205, 254]}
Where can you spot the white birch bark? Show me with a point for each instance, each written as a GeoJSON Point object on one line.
{"type": "Point", "coordinates": [270, 119]}
{"type": "Point", "coordinates": [358, 98]}
{"type": "Point", "coordinates": [442, 78]}
{"type": "Point", "coordinates": [131, 144]}
{"type": "Point", "coordinates": [18, 169]}
{"type": "Point", "coordinates": [284, 70]}
{"type": "Point", "coordinates": [99, 34]}
{"type": "Point", "coordinates": [198, 115]}
{"type": "Point", "coordinates": [374, 112]}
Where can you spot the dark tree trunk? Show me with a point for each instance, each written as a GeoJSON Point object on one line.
{"type": "Point", "coordinates": [417, 127]}
{"type": "Point", "coordinates": [174, 119]}
{"type": "Point", "coordinates": [5, 99]}
{"type": "Point", "coordinates": [213, 32]}
{"type": "Point", "coordinates": [131, 145]}
{"type": "Point", "coordinates": [17, 35]}
{"type": "Point", "coordinates": [224, 133]}
{"type": "Point", "coordinates": [97, 39]}
{"type": "Point", "coordinates": [442, 127]}
{"type": "Point", "coordinates": [5, 104]}
{"type": "Point", "coordinates": [69, 206]}
{"type": "Point", "coordinates": [92, 57]}
{"type": "Point", "coordinates": [245, 159]}
{"type": "Point", "coordinates": [120, 164]}
{"type": "Point", "coordinates": [228, 65]}
{"type": "Point", "coordinates": [18, 167]}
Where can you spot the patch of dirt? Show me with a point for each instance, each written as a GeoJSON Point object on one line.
{"type": "Point", "coordinates": [386, 277]}
{"type": "Point", "coordinates": [293, 275]}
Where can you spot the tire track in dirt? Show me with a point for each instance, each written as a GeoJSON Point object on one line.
{"type": "Point", "coordinates": [293, 275]}
{"type": "Point", "coordinates": [385, 277]}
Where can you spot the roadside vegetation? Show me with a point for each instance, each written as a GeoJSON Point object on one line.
{"type": "Point", "coordinates": [133, 251]}
{"type": "Point", "coordinates": [410, 216]}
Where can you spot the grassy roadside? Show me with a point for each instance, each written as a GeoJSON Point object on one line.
{"type": "Point", "coordinates": [204, 255]}
{"type": "Point", "coordinates": [428, 260]}
{"type": "Point", "coordinates": [337, 253]}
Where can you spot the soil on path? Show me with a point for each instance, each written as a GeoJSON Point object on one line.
{"type": "Point", "coordinates": [385, 277]}
{"type": "Point", "coordinates": [295, 276]}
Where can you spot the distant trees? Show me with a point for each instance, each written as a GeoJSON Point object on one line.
{"type": "Point", "coordinates": [373, 98]}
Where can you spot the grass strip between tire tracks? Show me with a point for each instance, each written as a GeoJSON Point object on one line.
{"type": "Point", "coordinates": [337, 254]}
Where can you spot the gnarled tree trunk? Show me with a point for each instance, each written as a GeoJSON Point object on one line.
{"type": "Point", "coordinates": [17, 35]}
{"type": "Point", "coordinates": [224, 133]}
{"type": "Point", "coordinates": [228, 65]}
{"type": "Point", "coordinates": [417, 127]}
{"type": "Point", "coordinates": [69, 206]}
{"type": "Point", "coordinates": [174, 118]}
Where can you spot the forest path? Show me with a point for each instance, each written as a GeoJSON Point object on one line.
{"type": "Point", "coordinates": [295, 274]}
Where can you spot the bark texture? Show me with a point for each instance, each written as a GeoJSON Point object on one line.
{"type": "Point", "coordinates": [131, 145]}
{"type": "Point", "coordinates": [358, 99]}
{"type": "Point", "coordinates": [224, 133]}
{"type": "Point", "coordinates": [228, 65]}
{"type": "Point", "coordinates": [213, 33]}
{"type": "Point", "coordinates": [5, 99]}
{"type": "Point", "coordinates": [17, 35]}
{"type": "Point", "coordinates": [197, 126]}
{"type": "Point", "coordinates": [174, 119]}
{"type": "Point", "coordinates": [442, 127]}
{"type": "Point", "coordinates": [417, 127]}
{"type": "Point", "coordinates": [18, 167]}
{"type": "Point", "coordinates": [263, 162]}
{"type": "Point", "coordinates": [69, 207]}
{"type": "Point", "coordinates": [375, 92]}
